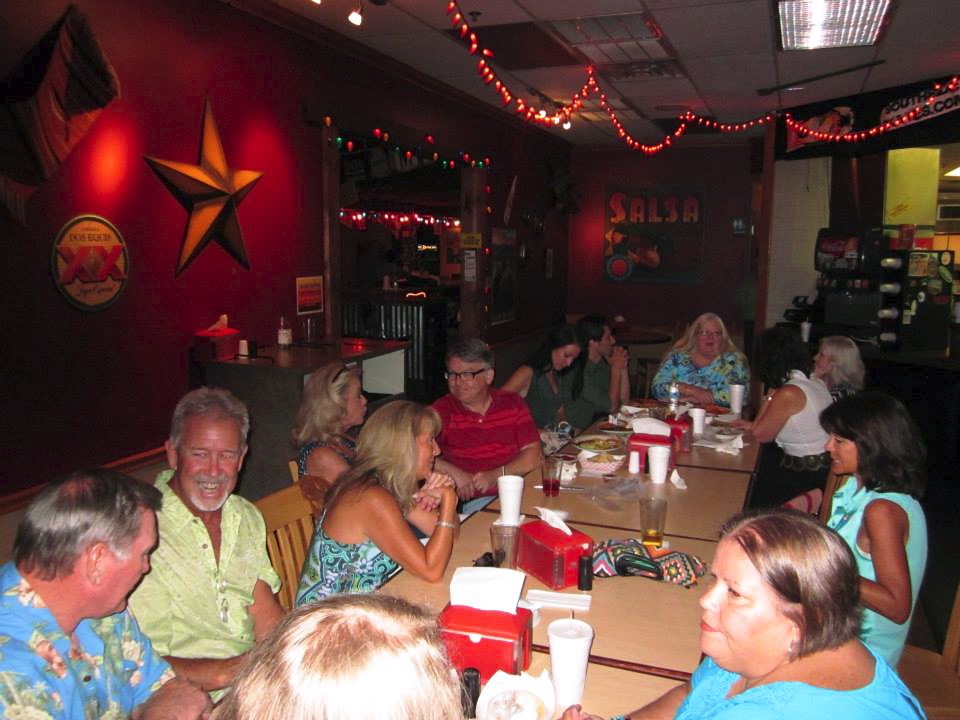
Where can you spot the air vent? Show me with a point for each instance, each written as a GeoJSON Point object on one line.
{"type": "Point", "coordinates": [641, 70]}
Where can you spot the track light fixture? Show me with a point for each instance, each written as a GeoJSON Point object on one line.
{"type": "Point", "coordinates": [356, 15]}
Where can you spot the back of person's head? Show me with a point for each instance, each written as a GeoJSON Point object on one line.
{"type": "Point", "coordinates": [809, 567]}
{"type": "Point", "coordinates": [69, 515]}
{"type": "Point", "coordinates": [324, 403]}
{"type": "Point", "coordinates": [846, 363]}
{"type": "Point", "coordinates": [215, 402]}
{"type": "Point", "coordinates": [688, 341]}
{"type": "Point", "coordinates": [471, 350]}
{"type": "Point", "coordinates": [387, 451]}
{"type": "Point", "coordinates": [779, 350]}
{"type": "Point", "coordinates": [590, 327]}
{"type": "Point", "coordinates": [558, 337]}
{"type": "Point", "coordinates": [891, 455]}
{"type": "Point", "coordinates": [349, 657]}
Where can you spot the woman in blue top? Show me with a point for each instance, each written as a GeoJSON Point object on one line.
{"type": "Point", "coordinates": [779, 629]}
{"type": "Point", "coordinates": [365, 532]}
{"type": "Point", "coordinates": [875, 443]}
{"type": "Point", "coordinates": [705, 362]}
{"type": "Point", "coordinates": [332, 404]}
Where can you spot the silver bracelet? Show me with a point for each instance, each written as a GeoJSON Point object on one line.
{"type": "Point", "coordinates": [444, 523]}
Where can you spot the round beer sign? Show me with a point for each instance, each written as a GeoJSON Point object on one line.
{"type": "Point", "coordinates": [90, 262]}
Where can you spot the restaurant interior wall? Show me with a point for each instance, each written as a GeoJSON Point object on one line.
{"type": "Point", "coordinates": [723, 174]}
{"type": "Point", "coordinates": [801, 206]}
{"type": "Point", "coordinates": [84, 388]}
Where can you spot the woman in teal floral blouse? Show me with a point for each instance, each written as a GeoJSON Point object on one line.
{"type": "Point", "coordinates": [705, 362]}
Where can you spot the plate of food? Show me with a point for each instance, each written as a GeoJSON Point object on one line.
{"type": "Point", "coordinates": [616, 428]}
{"type": "Point", "coordinates": [598, 443]}
{"type": "Point", "coordinates": [517, 697]}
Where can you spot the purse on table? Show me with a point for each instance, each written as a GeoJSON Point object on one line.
{"type": "Point", "coordinates": [632, 557]}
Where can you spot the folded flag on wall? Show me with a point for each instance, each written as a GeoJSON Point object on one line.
{"type": "Point", "coordinates": [50, 101]}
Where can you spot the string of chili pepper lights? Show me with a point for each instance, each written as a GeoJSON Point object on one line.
{"type": "Point", "coordinates": [564, 112]}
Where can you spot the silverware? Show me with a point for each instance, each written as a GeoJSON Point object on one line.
{"type": "Point", "coordinates": [568, 488]}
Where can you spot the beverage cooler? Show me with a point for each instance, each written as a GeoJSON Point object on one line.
{"type": "Point", "coordinates": [876, 292]}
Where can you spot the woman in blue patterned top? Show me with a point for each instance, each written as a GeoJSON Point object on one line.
{"type": "Point", "coordinates": [875, 443]}
{"type": "Point", "coordinates": [332, 404]}
{"type": "Point", "coordinates": [365, 532]}
{"type": "Point", "coordinates": [705, 362]}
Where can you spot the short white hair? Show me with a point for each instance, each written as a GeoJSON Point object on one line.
{"type": "Point", "coordinates": [846, 365]}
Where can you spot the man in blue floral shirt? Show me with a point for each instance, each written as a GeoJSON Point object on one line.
{"type": "Point", "coordinates": [68, 646]}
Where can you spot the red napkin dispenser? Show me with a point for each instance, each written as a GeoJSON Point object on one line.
{"type": "Point", "coordinates": [216, 344]}
{"type": "Point", "coordinates": [551, 555]}
{"type": "Point", "coordinates": [486, 639]}
{"type": "Point", "coordinates": [641, 441]}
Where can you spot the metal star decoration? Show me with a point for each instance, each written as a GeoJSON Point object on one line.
{"type": "Point", "coordinates": [210, 192]}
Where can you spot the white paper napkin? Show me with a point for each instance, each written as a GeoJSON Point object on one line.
{"type": "Point", "coordinates": [678, 482]}
{"type": "Point", "coordinates": [650, 426]}
{"type": "Point", "coordinates": [487, 588]}
{"type": "Point", "coordinates": [552, 519]}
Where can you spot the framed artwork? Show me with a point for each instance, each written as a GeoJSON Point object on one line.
{"type": "Point", "coordinates": [504, 275]}
{"type": "Point", "coordinates": [310, 295]}
{"type": "Point", "coordinates": [653, 235]}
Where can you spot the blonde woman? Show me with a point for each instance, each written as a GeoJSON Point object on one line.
{"type": "Point", "coordinates": [332, 404]}
{"type": "Point", "coordinates": [705, 362]}
{"type": "Point", "coordinates": [839, 365]}
{"type": "Point", "coordinates": [352, 657]}
{"type": "Point", "coordinates": [365, 531]}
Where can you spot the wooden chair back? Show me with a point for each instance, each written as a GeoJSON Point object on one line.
{"type": "Point", "coordinates": [935, 677]}
{"type": "Point", "coordinates": [287, 514]}
{"type": "Point", "coordinates": [312, 487]}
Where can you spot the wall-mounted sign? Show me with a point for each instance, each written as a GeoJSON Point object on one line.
{"type": "Point", "coordinates": [310, 295]}
{"type": "Point", "coordinates": [90, 263]}
{"type": "Point", "coordinates": [471, 240]}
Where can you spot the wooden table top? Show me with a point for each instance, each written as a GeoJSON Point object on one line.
{"type": "Point", "coordinates": [711, 497]}
{"type": "Point", "coordinates": [708, 458]}
{"type": "Point", "coordinates": [611, 691]}
{"type": "Point", "coordinates": [641, 625]}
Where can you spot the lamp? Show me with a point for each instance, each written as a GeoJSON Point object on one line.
{"type": "Point", "coordinates": [356, 15]}
{"type": "Point", "coordinates": [815, 24]}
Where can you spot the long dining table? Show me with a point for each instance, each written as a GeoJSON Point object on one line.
{"type": "Point", "coordinates": [646, 631]}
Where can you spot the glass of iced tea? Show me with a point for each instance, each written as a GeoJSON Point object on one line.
{"type": "Point", "coordinates": [653, 519]}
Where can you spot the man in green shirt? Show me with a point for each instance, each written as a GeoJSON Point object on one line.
{"type": "Point", "coordinates": [599, 384]}
{"type": "Point", "coordinates": [210, 594]}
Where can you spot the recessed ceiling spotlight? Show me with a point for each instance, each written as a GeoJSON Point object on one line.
{"type": "Point", "coordinates": [356, 15]}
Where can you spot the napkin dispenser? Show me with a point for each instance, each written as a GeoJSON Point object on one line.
{"type": "Point", "coordinates": [487, 640]}
{"type": "Point", "coordinates": [215, 344]}
{"type": "Point", "coordinates": [550, 555]}
{"type": "Point", "coordinates": [641, 441]}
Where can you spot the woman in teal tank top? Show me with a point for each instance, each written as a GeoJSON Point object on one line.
{"type": "Point", "coordinates": [876, 444]}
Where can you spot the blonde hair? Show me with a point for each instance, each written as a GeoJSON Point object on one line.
{"type": "Point", "coordinates": [387, 452]}
{"type": "Point", "coordinates": [688, 342]}
{"type": "Point", "coordinates": [846, 365]}
{"type": "Point", "coordinates": [349, 657]}
{"type": "Point", "coordinates": [324, 404]}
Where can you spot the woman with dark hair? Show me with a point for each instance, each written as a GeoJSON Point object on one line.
{"type": "Point", "coordinates": [795, 459]}
{"type": "Point", "coordinates": [598, 382]}
{"type": "Point", "coordinates": [875, 443]}
{"type": "Point", "coordinates": [779, 632]}
{"type": "Point", "coordinates": [539, 380]}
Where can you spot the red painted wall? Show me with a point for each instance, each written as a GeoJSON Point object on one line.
{"type": "Point", "coordinates": [81, 388]}
{"type": "Point", "coordinates": [720, 173]}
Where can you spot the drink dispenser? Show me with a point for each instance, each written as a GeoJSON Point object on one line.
{"type": "Point", "coordinates": [873, 291]}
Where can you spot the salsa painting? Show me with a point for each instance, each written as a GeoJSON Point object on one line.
{"type": "Point", "coordinates": [652, 235]}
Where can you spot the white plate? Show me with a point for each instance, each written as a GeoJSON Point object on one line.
{"type": "Point", "coordinates": [598, 443]}
{"type": "Point", "coordinates": [540, 687]}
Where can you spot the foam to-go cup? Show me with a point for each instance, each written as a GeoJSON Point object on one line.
{"type": "Point", "coordinates": [736, 398]}
{"type": "Point", "coordinates": [699, 418]}
{"type": "Point", "coordinates": [510, 490]}
{"type": "Point", "coordinates": [570, 642]}
{"type": "Point", "coordinates": [658, 462]}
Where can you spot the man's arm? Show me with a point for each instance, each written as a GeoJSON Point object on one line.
{"type": "Point", "coordinates": [206, 673]}
{"type": "Point", "coordinates": [462, 479]}
{"type": "Point", "coordinates": [265, 612]}
{"type": "Point", "coordinates": [529, 458]}
{"type": "Point", "coordinates": [176, 699]}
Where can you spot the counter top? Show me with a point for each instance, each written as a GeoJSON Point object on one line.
{"type": "Point", "coordinates": [302, 358]}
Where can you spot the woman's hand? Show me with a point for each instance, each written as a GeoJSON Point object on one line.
{"type": "Point", "coordinates": [695, 394]}
{"type": "Point", "coordinates": [574, 712]}
{"type": "Point", "coordinates": [429, 496]}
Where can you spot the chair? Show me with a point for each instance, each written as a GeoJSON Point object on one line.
{"type": "Point", "coordinates": [935, 677]}
{"type": "Point", "coordinates": [289, 520]}
{"type": "Point", "coordinates": [833, 482]}
{"type": "Point", "coordinates": [312, 487]}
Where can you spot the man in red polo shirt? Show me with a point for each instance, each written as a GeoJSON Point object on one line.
{"type": "Point", "coordinates": [486, 432]}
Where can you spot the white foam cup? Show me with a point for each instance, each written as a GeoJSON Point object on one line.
{"type": "Point", "coordinates": [658, 462]}
{"type": "Point", "coordinates": [510, 490]}
{"type": "Point", "coordinates": [570, 641]}
{"type": "Point", "coordinates": [699, 418]}
{"type": "Point", "coordinates": [736, 398]}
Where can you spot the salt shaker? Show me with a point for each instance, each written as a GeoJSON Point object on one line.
{"type": "Point", "coordinates": [633, 464]}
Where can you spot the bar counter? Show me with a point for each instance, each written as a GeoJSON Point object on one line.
{"type": "Point", "coordinates": [272, 384]}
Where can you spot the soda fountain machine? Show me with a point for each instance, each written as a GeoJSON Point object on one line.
{"type": "Point", "coordinates": [874, 291]}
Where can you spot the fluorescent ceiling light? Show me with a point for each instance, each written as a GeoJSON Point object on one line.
{"type": "Point", "coordinates": [814, 24]}
{"type": "Point", "coordinates": [953, 173]}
